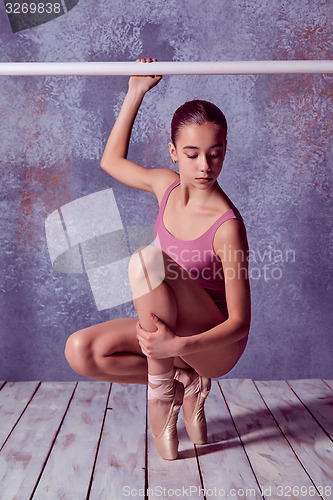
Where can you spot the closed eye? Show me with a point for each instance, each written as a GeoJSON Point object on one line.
{"type": "Point", "coordinates": [213, 156]}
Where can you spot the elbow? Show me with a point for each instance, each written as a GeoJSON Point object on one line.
{"type": "Point", "coordinates": [241, 326]}
{"type": "Point", "coordinates": [245, 323]}
{"type": "Point", "coordinates": [244, 320]}
{"type": "Point", "coordinates": [106, 167]}
{"type": "Point", "coordinates": [111, 164]}
{"type": "Point", "coordinates": [245, 326]}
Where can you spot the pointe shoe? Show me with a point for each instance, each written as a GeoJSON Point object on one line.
{"type": "Point", "coordinates": [167, 441]}
{"type": "Point", "coordinates": [196, 427]}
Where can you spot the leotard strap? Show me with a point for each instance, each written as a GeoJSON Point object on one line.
{"type": "Point", "coordinates": [230, 214]}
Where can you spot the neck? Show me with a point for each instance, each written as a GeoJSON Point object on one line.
{"type": "Point", "coordinates": [191, 195]}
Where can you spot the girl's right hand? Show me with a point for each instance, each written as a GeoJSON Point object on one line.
{"type": "Point", "coordinates": [144, 83]}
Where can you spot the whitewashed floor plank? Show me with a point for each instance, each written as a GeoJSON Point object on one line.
{"type": "Point", "coordinates": [223, 462]}
{"type": "Point", "coordinates": [13, 399]}
{"type": "Point", "coordinates": [224, 465]}
{"type": "Point", "coordinates": [180, 478]}
{"type": "Point", "coordinates": [311, 444]}
{"type": "Point", "coordinates": [120, 466]}
{"type": "Point", "coordinates": [318, 398]}
{"type": "Point", "coordinates": [68, 471]}
{"type": "Point", "coordinates": [24, 453]}
{"type": "Point", "coordinates": [274, 462]}
{"type": "Point", "coordinates": [329, 383]}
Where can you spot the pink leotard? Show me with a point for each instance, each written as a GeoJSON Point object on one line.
{"type": "Point", "coordinates": [197, 256]}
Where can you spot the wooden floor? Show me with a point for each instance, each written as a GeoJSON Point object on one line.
{"type": "Point", "coordinates": [89, 440]}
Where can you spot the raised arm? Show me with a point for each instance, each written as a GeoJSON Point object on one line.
{"type": "Point", "coordinates": [114, 160]}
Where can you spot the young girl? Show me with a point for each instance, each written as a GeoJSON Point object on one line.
{"type": "Point", "coordinates": [190, 289]}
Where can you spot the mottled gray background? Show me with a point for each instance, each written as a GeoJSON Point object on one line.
{"type": "Point", "coordinates": [278, 168]}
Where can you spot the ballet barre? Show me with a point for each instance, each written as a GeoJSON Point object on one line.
{"type": "Point", "coordinates": [164, 68]}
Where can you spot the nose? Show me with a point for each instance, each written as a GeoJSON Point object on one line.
{"type": "Point", "coordinates": [204, 164]}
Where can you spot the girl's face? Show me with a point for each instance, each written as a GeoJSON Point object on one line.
{"type": "Point", "coordinates": [200, 151]}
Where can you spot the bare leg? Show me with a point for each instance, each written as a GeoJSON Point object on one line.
{"type": "Point", "coordinates": [108, 351]}
{"type": "Point", "coordinates": [145, 269]}
{"type": "Point", "coordinates": [160, 286]}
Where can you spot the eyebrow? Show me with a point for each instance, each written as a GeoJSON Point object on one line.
{"type": "Point", "coordinates": [212, 147]}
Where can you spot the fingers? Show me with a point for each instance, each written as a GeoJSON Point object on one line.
{"type": "Point", "coordinates": [143, 341]}
{"type": "Point", "coordinates": [141, 333]}
{"type": "Point", "coordinates": [156, 320]}
{"type": "Point", "coordinates": [139, 330]}
{"type": "Point", "coordinates": [153, 317]}
{"type": "Point", "coordinates": [149, 59]}
{"type": "Point", "coordinates": [156, 78]}
{"type": "Point", "coordinates": [144, 333]}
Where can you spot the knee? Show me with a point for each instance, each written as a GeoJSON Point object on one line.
{"type": "Point", "coordinates": [146, 270]}
{"type": "Point", "coordinates": [78, 351]}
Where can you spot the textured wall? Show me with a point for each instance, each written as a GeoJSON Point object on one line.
{"type": "Point", "coordinates": [278, 169]}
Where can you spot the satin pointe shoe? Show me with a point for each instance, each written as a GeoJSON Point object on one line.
{"type": "Point", "coordinates": [196, 427]}
{"type": "Point", "coordinates": [167, 441]}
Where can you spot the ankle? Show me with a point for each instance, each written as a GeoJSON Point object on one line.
{"type": "Point", "coordinates": [185, 375]}
{"type": "Point", "coordinates": [161, 386]}
{"type": "Point", "coordinates": [190, 379]}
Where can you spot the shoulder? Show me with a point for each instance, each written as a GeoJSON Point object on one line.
{"type": "Point", "coordinates": [230, 235]}
{"type": "Point", "coordinates": [162, 178]}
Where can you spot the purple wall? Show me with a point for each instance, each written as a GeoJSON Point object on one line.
{"type": "Point", "coordinates": [278, 171]}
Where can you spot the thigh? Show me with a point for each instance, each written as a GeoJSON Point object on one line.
{"type": "Point", "coordinates": [114, 336]}
{"type": "Point", "coordinates": [109, 337]}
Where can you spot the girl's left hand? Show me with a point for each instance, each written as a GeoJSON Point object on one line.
{"type": "Point", "coordinates": [160, 344]}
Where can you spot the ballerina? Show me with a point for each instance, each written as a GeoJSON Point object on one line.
{"type": "Point", "coordinates": [190, 289]}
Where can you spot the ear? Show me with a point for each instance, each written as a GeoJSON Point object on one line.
{"type": "Point", "coordinates": [173, 151]}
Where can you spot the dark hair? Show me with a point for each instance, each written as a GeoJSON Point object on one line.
{"type": "Point", "coordinates": [198, 112]}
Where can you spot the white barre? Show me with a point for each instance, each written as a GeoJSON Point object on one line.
{"type": "Point", "coordinates": [164, 68]}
